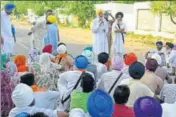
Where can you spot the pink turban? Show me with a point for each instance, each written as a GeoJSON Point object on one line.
{"type": "Point", "coordinates": [117, 63]}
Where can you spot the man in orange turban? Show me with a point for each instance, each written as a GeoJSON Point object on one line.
{"type": "Point", "coordinates": [99, 29]}
{"type": "Point", "coordinates": [130, 58]}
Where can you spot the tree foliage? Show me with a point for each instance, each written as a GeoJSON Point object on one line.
{"type": "Point", "coordinates": [168, 7]}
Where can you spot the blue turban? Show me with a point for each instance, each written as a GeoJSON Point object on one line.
{"type": "Point", "coordinates": [147, 107]}
{"type": "Point", "coordinates": [81, 62]}
{"type": "Point", "coordinates": [159, 43]}
{"type": "Point", "coordinates": [88, 48]}
{"type": "Point", "coordinates": [9, 6]}
{"type": "Point", "coordinates": [100, 104]}
{"type": "Point", "coordinates": [23, 114]}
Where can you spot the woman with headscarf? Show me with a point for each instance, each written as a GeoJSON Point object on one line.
{"type": "Point", "coordinates": [154, 82]}
{"type": "Point", "coordinates": [99, 29]}
{"type": "Point", "coordinates": [22, 68]}
{"type": "Point", "coordinates": [48, 49]}
{"type": "Point", "coordinates": [68, 80]}
{"type": "Point", "coordinates": [119, 29]}
{"type": "Point", "coordinates": [148, 107]}
{"type": "Point", "coordinates": [49, 73]}
{"type": "Point", "coordinates": [33, 56]}
{"type": "Point", "coordinates": [107, 79]}
{"type": "Point", "coordinates": [63, 58]}
{"type": "Point", "coordinates": [52, 36]}
{"type": "Point", "coordinates": [6, 91]}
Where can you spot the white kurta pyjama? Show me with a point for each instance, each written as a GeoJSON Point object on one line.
{"type": "Point", "coordinates": [100, 42]}
{"type": "Point", "coordinates": [118, 44]}
{"type": "Point", "coordinates": [38, 32]}
{"type": "Point", "coordinates": [6, 32]}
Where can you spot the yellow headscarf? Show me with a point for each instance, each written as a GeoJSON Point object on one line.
{"type": "Point", "coordinates": [51, 19]}
{"type": "Point", "coordinates": [99, 11]}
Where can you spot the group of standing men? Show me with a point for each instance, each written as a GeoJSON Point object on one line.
{"type": "Point", "coordinates": [102, 29]}
{"type": "Point", "coordinates": [44, 31]}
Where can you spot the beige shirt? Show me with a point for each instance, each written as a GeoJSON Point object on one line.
{"type": "Point", "coordinates": [154, 82]}
{"type": "Point", "coordinates": [137, 90]}
{"type": "Point", "coordinates": [161, 72]}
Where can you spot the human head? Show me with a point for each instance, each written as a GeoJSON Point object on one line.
{"type": "Point", "coordinates": [22, 96]}
{"type": "Point", "coordinates": [27, 79]}
{"type": "Point", "coordinates": [20, 61]}
{"type": "Point", "coordinates": [117, 63]}
{"type": "Point", "coordinates": [9, 8]}
{"type": "Point", "coordinates": [136, 70]}
{"type": "Point", "coordinates": [100, 103]}
{"type": "Point", "coordinates": [88, 54]}
{"type": "Point", "coordinates": [51, 19]}
{"type": "Point", "coordinates": [121, 94]}
{"type": "Point", "coordinates": [44, 59]}
{"type": "Point", "coordinates": [47, 49]}
{"type": "Point", "coordinates": [147, 107]}
{"type": "Point", "coordinates": [129, 58]}
{"type": "Point", "coordinates": [169, 45]}
{"type": "Point", "coordinates": [103, 57]}
{"type": "Point", "coordinates": [62, 49]}
{"type": "Point", "coordinates": [106, 14]}
{"type": "Point", "coordinates": [49, 12]}
{"type": "Point", "coordinates": [159, 45]}
{"type": "Point", "coordinates": [157, 57]}
{"type": "Point", "coordinates": [39, 114]}
{"type": "Point", "coordinates": [151, 65]}
{"type": "Point", "coordinates": [99, 13]}
{"type": "Point", "coordinates": [119, 16]}
{"type": "Point", "coordinates": [23, 114]}
{"type": "Point", "coordinates": [87, 82]}
{"type": "Point", "coordinates": [81, 62]}
{"type": "Point", "coordinates": [88, 48]}
{"type": "Point", "coordinates": [33, 56]}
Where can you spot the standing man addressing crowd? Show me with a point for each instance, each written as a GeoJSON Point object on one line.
{"type": "Point", "coordinates": [100, 30]}
{"type": "Point", "coordinates": [7, 39]}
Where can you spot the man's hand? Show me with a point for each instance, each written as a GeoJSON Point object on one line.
{"type": "Point", "coordinates": [2, 40]}
{"type": "Point", "coordinates": [29, 33]}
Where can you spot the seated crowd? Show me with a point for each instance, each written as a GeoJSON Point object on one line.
{"type": "Point", "coordinates": [48, 85]}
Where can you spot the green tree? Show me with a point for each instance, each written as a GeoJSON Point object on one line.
{"type": "Point", "coordinates": [84, 10]}
{"type": "Point", "coordinates": [168, 7]}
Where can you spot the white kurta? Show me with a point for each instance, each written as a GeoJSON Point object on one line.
{"type": "Point", "coordinates": [38, 32]}
{"type": "Point", "coordinates": [6, 32]}
{"type": "Point", "coordinates": [100, 42]}
{"type": "Point", "coordinates": [118, 44]}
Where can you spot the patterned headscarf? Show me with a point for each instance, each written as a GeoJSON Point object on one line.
{"type": "Point", "coordinates": [33, 56]}
{"type": "Point", "coordinates": [11, 68]}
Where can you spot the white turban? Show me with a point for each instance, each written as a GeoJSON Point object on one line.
{"type": "Point", "coordinates": [22, 96]}
{"type": "Point", "coordinates": [77, 113]}
{"type": "Point", "coordinates": [157, 57]}
{"type": "Point", "coordinates": [88, 54]}
{"type": "Point", "coordinates": [61, 49]}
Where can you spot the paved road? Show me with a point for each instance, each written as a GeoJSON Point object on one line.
{"type": "Point", "coordinates": [74, 44]}
{"type": "Point", "coordinates": [23, 42]}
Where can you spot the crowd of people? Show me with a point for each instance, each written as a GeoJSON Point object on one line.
{"type": "Point", "coordinates": [51, 83]}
